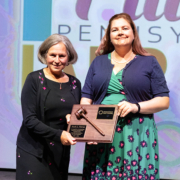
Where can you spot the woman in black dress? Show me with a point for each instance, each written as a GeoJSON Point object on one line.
{"type": "Point", "coordinates": [43, 145]}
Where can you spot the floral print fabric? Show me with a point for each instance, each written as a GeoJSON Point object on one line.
{"type": "Point", "coordinates": [133, 155]}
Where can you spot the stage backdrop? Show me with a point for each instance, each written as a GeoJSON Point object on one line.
{"type": "Point", "coordinates": [26, 23]}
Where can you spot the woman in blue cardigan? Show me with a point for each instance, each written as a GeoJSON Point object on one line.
{"type": "Point", "coordinates": [43, 145]}
{"type": "Point", "coordinates": [130, 77]}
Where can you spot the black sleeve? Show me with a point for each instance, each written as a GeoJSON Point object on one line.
{"type": "Point", "coordinates": [29, 110]}
{"type": "Point", "coordinates": [79, 90]}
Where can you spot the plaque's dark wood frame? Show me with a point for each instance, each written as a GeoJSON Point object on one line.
{"type": "Point", "coordinates": [91, 134]}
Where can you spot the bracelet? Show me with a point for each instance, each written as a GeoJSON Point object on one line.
{"type": "Point", "coordinates": [139, 108]}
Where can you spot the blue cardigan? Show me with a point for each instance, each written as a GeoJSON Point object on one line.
{"type": "Point", "coordinates": [142, 78]}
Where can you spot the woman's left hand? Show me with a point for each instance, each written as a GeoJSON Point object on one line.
{"type": "Point", "coordinates": [67, 139]}
{"type": "Point", "coordinates": [125, 108]}
{"type": "Point", "coordinates": [68, 118]}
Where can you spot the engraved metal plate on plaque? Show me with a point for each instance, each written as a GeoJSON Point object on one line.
{"type": "Point", "coordinates": [77, 131]}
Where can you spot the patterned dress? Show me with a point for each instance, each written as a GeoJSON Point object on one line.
{"type": "Point", "coordinates": [134, 152]}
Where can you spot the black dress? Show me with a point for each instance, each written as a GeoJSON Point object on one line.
{"type": "Point", "coordinates": [55, 161]}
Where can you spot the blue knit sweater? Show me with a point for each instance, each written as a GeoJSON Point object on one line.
{"type": "Point", "coordinates": [142, 78]}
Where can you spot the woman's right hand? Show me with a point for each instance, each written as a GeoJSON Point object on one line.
{"type": "Point", "coordinates": [67, 139]}
{"type": "Point", "coordinates": [68, 118]}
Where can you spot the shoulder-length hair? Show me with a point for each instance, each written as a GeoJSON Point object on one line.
{"type": "Point", "coordinates": [136, 44]}
{"type": "Point", "coordinates": [53, 40]}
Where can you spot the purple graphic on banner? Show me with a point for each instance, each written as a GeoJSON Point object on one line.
{"type": "Point", "coordinates": [107, 14]}
{"type": "Point", "coordinates": [150, 10]}
{"type": "Point", "coordinates": [82, 8]}
{"type": "Point", "coordinates": [171, 9]}
{"type": "Point", "coordinates": [10, 114]}
{"type": "Point", "coordinates": [130, 8]}
{"type": "Point", "coordinates": [10, 109]}
{"type": "Point", "coordinates": [169, 131]}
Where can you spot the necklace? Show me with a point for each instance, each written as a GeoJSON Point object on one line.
{"type": "Point", "coordinates": [52, 78]}
{"type": "Point", "coordinates": [126, 61]}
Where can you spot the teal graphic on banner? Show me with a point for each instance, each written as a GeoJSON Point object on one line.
{"type": "Point", "coordinates": [37, 20]}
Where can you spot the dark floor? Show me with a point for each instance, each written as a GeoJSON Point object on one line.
{"type": "Point", "coordinates": [10, 175]}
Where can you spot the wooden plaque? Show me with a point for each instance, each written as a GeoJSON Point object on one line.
{"type": "Point", "coordinates": [104, 117]}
